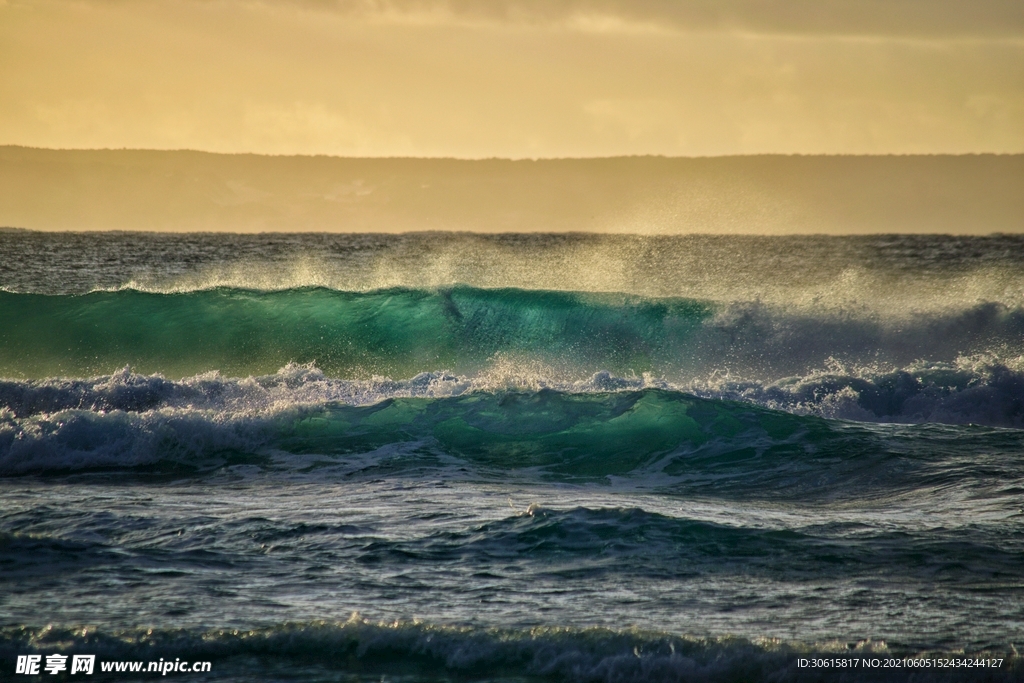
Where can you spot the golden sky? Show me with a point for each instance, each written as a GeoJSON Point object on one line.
{"type": "Point", "coordinates": [515, 78]}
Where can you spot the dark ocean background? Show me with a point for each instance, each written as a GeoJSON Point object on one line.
{"type": "Point", "coordinates": [458, 457]}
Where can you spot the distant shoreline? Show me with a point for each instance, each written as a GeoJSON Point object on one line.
{"type": "Point", "coordinates": [176, 191]}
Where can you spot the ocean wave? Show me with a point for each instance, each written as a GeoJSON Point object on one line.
{"type": "Point", "coordinates": [604, 429]}
{"type": "Point", "coordinates": [882, 273]}
{"type": "Point", "coordinates": [585, 543]}
{"type": "Point", "coordinates": [397, 332]}
{"type": "Point", "coordinates": [979, 389]}
{"type": "Point", "coordinates": [595, 545]}
{"type": "Point", "coordinates": [595, 434]}
{"type": "Point", "coordinates": [323, 650]}
{"type": "Point", "coordinates": [402, 332]}
{"type": "Point", "coordinates": [970, 390]}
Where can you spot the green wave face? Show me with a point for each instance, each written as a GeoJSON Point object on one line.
{"type": "Point", "coordinates": [654, 437]}
{"type": "Point", "coordinates": [657, 438]}
{"type": "Point", "coordinates": [397, 332]}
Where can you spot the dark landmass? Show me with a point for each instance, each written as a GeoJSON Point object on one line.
{"type": "Point", "coordinates": [774, 194]}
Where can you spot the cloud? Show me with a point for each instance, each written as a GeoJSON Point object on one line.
{"type": "Point", "coordinates": [882, 18]}
{"type": "Point", "coordinates": [510, 78]}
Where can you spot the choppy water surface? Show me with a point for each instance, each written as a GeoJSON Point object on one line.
{"type": "Point", "coordinates": [458, 457]}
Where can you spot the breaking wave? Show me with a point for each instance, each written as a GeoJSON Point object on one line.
{"type": "Point", "coordinates": [402, 332]}
{"type": "Point", "coordinates": [634, 432]}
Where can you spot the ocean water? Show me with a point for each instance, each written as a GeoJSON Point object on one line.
{"type": "Point", "coordinates": [456, 457]}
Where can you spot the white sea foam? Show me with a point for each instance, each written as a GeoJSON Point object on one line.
{"type": "Point", "coordinates": [133, 420]}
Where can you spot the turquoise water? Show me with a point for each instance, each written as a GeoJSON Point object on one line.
{"type": "Point", "coordinates": [392, 331]}
{"type": "Point", "coordinates": [425, 458]}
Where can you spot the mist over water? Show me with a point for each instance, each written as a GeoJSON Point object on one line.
{"type": "Point", "coordinates": [537, 457]}
{"type": "Point", "coordinates": [894, 273]}
{"type": "Point", "coordinates": [892, 328]}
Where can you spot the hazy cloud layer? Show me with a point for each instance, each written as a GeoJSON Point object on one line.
{"type": "Point", "coordinates": [816, 17]}
{"type": "Point", "coordinates": [514, 78]}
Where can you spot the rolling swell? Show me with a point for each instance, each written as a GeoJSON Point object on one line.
{"type": "Point", "coordinates": [586, 543]}
{"type": "Point", "coordinates": [366, 650]}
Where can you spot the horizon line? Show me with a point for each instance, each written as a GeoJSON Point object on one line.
{"type": "Point", "coordinates": [481, 233]}
{"type": "Point", "coordinates": [499, 158]}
